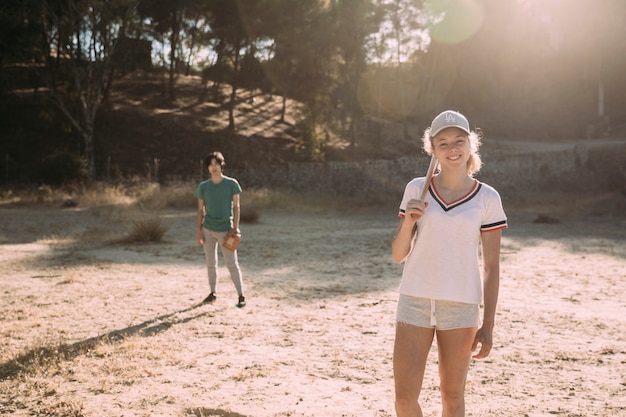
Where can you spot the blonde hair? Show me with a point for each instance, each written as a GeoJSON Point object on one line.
{"type": "Point", "coordinates": [474, 163]}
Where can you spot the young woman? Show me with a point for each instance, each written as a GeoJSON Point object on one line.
{"type": "Point", "coordinates": [441, 288]}
{"type": "Point", "coordinates": [218, 214]}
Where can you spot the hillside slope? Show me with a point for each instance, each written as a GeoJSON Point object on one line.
{"type": "Point", "coordinates": [141, 133]}
{"type": "Point", "coordinates": [139, 124]}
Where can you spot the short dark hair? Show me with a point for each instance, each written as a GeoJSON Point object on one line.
{"type": "Point", "coordinates": [214, 155]}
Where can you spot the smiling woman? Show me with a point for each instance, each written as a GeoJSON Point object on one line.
{"type": "Point", "coordinates": [458, 218]}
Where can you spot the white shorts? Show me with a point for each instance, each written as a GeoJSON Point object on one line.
{"type": "Point", "coordinates": [440, 314]}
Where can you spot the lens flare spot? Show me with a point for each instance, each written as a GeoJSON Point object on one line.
{"type": "Point", "coordinates": [454, 21]}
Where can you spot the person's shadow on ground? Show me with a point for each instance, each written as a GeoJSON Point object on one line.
{"type": "Point", "coordinates": [148, 328]}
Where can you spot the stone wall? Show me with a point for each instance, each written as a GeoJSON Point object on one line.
{"type": "Point", "coordinates": [573, 168]}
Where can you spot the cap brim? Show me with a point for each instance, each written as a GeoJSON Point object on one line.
{"type": "Point", "coordinates": [463, 128]}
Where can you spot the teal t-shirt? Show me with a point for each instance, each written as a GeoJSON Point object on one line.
{"type": "Point", "coordinates": [218, 203]}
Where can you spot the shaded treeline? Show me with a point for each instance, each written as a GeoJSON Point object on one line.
{"type": "Point", "coordinates": [546, 69]}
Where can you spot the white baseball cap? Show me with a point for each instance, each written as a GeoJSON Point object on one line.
{"type": "Point", "coordinates": [449, 118]}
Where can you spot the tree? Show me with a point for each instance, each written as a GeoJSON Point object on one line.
{"type": "Point", "coordinates": [167, 22]}
{"type": "Point", "coordinates": [356, 21]}
{"type": "Point", "coordinates": [236, 24]}
{"type": "Point", "coordinates": [78, 40]}
{"type": "Point", "coordinates": [307, 65]}
{"type": "Point", "coordinates": [20, 39]}
{"type": "Point", "coordinates": [391, 84]}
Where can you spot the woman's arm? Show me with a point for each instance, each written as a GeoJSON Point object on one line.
{"type": "Point", "coordinates": [407, 228]}
{"type": "Point", "coordinates": [490, 242]}
{"type": "Point", "coordinates": [403, 239]}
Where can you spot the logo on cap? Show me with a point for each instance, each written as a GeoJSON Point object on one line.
{"type": "Point", "coordinates": [450, 118]}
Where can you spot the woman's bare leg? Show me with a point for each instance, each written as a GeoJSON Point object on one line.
{"type": "Point", "coordinates": [455, 350]}
{"type": "Point", "coordinates": [410, 353]}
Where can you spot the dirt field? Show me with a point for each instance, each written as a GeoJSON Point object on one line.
{"type": "Point", "coordinates": [90, 328]}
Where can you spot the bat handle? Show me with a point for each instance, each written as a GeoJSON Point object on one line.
{"type": "Point", "coordinates": [429, 177]}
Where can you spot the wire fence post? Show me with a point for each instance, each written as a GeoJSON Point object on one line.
{"type": "Point", "coordinates": [156, 169]}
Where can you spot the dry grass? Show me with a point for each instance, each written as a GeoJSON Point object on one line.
{"type": "Point", "coordinates": [145, 231]}
{"type": "Point", "coordinates": [175, 196]}
{"type": "Point", "coordinates": [306, 201]}
{"type": "Point", "coordinates": [555, 207]}
{"type": "Point", "coordinates": [62, 409]}
{"type": "Point", "coordinates": [133, 202]}
{"type": "Point", "coordinates": [142, 193]}
{"type": "Point", "coordinates": [149, 195]}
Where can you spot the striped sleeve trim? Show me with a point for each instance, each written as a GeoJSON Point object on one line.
{"type": "Point", "coordinates": [494, 226]}
{"type": "Point", "coordinates": [401, 213]}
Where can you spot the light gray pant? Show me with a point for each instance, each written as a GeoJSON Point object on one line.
{"type": "Point", "coordinates": [211, 241]}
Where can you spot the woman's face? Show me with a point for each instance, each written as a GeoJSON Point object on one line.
{"type": "Point", "coordinates": [451, 146]}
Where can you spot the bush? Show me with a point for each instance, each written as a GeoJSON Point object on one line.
{"type": "Point", "coordinates": [249, 215]}
{"type": "Point", "coordinates": [177, 195]}
{"type": "Point", "coordinates": [144, 231]}
{"type": "Point", "coordinates": [63, 167]}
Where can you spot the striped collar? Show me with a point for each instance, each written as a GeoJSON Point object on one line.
{"type": "Point", "coordinates": [464, 199]}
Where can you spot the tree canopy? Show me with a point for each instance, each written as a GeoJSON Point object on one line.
{"type": "Point", "coordinates": [550, 67]}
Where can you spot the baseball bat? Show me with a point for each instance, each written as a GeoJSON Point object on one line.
{"type": "Point", "coordinates": [429, 176]}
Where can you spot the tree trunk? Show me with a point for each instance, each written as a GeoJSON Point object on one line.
{"type": "Point", "coordinates": [231, 107]}
{"type": "Point", "coordinates": [173, 58]}
{"type": "Point", "coordinates": [109, 84]}
{"type": "Point", "coordinates": [233, 92]}
{"type": "Point", "coordinates": [85, 132]}
{"type": "Point", "coordinates": [283, 110]}
{"type": "Point", "coordinates": [90, 153]}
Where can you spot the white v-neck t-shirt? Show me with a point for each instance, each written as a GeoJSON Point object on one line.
{"type": "Point", "coordinates": [444, 261]}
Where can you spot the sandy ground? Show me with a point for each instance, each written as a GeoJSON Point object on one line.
{"type": "Point", "coordinates": [316, 336]}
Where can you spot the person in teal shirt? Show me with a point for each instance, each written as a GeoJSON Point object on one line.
{"type": "Point", "coordinates": [218, 214]}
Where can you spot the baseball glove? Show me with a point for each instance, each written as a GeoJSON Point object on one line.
{"type": "Point", "coordinates": [232, 239]}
